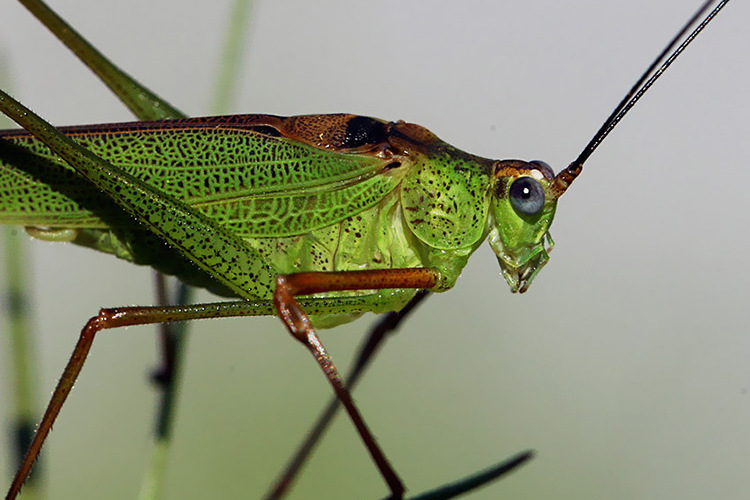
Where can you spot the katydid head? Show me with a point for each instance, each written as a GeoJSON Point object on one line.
{"type": "Point", "coordinates": [525, 194]}
{"type": "Point", "coordinates": [522, 206]}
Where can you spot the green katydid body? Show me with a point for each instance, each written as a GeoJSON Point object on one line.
{"type": "Point", "coordinates": [306, 193]}
{"type": "Point", "coordinates": [357, 212]}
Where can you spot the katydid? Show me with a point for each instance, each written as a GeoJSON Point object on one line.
{"type": "Point", "coordinates": [433, 333]}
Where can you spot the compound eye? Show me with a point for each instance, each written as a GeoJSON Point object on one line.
{"type": "Point", "coordinates": [527, 196]}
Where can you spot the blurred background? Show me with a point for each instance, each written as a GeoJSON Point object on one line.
{"type": "Point", "coordinates": [625, 365]}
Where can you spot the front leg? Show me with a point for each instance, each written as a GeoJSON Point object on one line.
{"type": "Point", "coordinates": [298, 324]}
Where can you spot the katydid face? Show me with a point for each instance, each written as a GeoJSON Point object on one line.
{"type": "Point", "coordinates": [522, 207]}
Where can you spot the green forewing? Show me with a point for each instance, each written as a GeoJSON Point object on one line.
{"type": "Point", "coordinates": [256, 184]}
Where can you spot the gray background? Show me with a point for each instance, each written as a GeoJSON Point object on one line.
{"type": "Point", "coordinates": [625, 365]}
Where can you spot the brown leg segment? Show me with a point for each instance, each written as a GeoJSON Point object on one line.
{"type": "Point", "coordinates": [107, 318]}
{"type": "Point", "coordinates": [298, 324]}
{"type": "Point", "coordinates": [386, 325]}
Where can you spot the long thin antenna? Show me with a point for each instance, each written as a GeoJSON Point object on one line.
{"type": "Point", "coordinates": [647, 79]}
